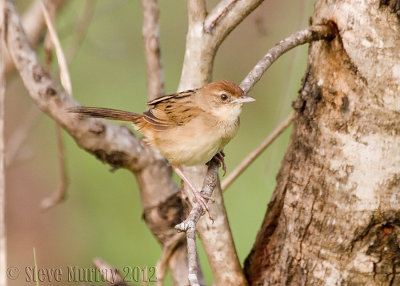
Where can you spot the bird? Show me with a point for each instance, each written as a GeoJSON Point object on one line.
{"type": "Point", "coordinates": [189, 128]}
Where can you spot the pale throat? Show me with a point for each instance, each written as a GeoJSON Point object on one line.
{"type": "Point", "coordinates": [228, 113]}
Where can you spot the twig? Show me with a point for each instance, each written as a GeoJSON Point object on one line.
{"type": "Point", "coordinates": [168, 249]}
{"type": "Point", "coordinates": [33, 23]}
{"type": "Point", "coordinates": [18, 137]}
{"type": "Point", "coordinates": [226, 16]}
{"type": "Point", "coordinates": [256, 152]}
{"type": "Point", "coordinates": [109, 273]}
{"type": "Point", "coordinates": [110, 143]}
{"type": "Point", "coordinates": [312, 33]}
{"type": "Point", "coordinates": [80, 30]}
{"type": "Point", "coordinates": [150, 34]}
{"type": "Point", "coordinates": [189, 224]}
{"type": "Point", "coordinates": [50, 41]}
{"type": "Point", "coordinates": [217, 14]}
{"type": "Point", "coordinates": [3, 237]}
{"type": "Point", "coordinates": [59, 195]}
{"type": "Point", "coordinates": [62, 62]}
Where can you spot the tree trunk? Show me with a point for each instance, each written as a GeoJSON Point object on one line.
{"type": "Point", "coordinates": [334, 218]}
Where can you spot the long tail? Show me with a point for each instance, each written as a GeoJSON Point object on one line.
{"type": "Point", "coordinates": [107, 113]}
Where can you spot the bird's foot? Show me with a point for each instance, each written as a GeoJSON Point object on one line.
{"type": "Point", "coordinates": [220, 158]}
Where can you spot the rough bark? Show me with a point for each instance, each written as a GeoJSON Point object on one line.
{"type": "Point", "coordinates": [334, 217]}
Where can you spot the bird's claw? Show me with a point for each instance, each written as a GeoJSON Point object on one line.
{"type": "Point", "coordinates": [220, 159]}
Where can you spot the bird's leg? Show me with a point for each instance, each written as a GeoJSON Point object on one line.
{"type": "Point", "coordinates": [219, 157]}
{"type": "Point", "coordinates": [198, 196]}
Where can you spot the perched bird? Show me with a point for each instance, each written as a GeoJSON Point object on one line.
{"type": "Point", "coordinates": [189, 127]}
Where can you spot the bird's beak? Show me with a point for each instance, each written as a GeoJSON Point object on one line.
{"type": "Point", "coordinates": [244, 98]}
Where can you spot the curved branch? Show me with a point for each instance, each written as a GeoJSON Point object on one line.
{"type": "Point", "coordinates": [113, 144]}
{"type": "Point", "coordinates": [256, 152]}
{"type": "Point", "coordinates": [3, 236]}
{"type": "Point", "coordinates": [34, 25]}
{"type": "Point", "coordinates": [150, 33]}
{"type": "Point", "coordinates": [227, 15]}
{"type": "Point", "coordinates": [189, 224]}
{"type": "Point", "coordinates": [312, 33]}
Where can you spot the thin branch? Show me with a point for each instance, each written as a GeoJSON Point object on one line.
{"type": "Point", "coordinates": [51, 40]}
{"type": "Point", "coordinates": [218, 13]}
{"type": "Point", "coordinates": [109, 273]}
{"type": "Point", "coordinates": [80, 29]}
{"type": "Point", "coordinates": [110, 143]}
{"type": "Point", "coordinates": [312, 33]}
{"type": "Point", "coordinates": [3, 236]}
{"type": "Point", "coordinates": [34, 24]}
{"type": "Point", "coordinates": [90, 134]}
{"type": "Point", "coordinates": [189, 224]}
{"type": "Point", "coordinates": [59, 195]}
{"type": "Point", "coordinates": [168, 249]}
{"type": "Point", "coordinates": [62, 62]}
{"type": "Point", "coordinates": [150, 33]}
{"type": "Point", "coordinates": [256, 152]}
{"type": "Point", "coordinates": [226, 16]}
{"type": "Point", "coordinates": [18, 137]}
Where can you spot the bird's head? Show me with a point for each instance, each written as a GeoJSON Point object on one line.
{"type": "Point", "coordinates": [224, 99]}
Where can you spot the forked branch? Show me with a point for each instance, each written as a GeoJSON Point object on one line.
{"type": "Point", "coordinates": [150, 34]}
{"type": "Point", "coordinates": [189, 224]}
{"type": "Point", "coordinates": [312, 33]}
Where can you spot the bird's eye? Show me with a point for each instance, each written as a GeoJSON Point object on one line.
{"type": "Point", "coordinates": [224, 97]}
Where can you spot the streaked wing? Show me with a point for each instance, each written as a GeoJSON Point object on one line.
{"type": "Point", "coordinates": [170, 97]}
{"type": "Point", "coordinates": [171, 110]}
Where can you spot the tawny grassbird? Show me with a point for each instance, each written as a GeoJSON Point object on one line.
{"type": "Point", "coordinates": [189, 127]}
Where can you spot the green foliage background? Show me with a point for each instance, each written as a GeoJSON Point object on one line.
{"type": "Point", "coordinates": [102, 214]}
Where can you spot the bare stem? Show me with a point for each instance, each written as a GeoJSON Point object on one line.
{"type": "Point", "coordinates": [81, 29]}
{"type": "Point", "coordinates": [226, 16]}
{"type": "Point", "coordinates": [59, 194]}
{"type": "Point", "coordinates": [218, 13]}
{"type": "Point", "coordinates": [20, 134]}
{"type": "Point", "coordinates": [189, 224]}
{"type": "Point", "coordinates": [312, 33]}
{"type": "Point", "coordinates": [150, 33]}
{"type": "Point", "coordinates": [256, 152]}
{"type": "Point", "coordinates": [62, 62]}
{"type": "Point", "coordinates": [168, 249]}
{"type": "Point", "coordinates": [109, 273]}
{"type": "Point", "coordinates": [110, 143]}
{"type": "Point", "coordinates": [34, 24]}
{"type": "Point", "coordinates": [3, 237]}
{"type": "Point", "coordinates": [51, 41]}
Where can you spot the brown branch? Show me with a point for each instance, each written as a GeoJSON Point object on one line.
{"type": "Point", "coordinates": [34, 25]}
{"type": "Point", "coordinates": [218, 13]}
{"type": "Point", "coordinates": [80, 29]}
{"type": "Point", "coordinates": [197, 12]}
{"type": "Point", "coordinates": [150, 33]}
{"type": "Point", "coordinates": [312, 33]}
{"type": "Point", "coordinates": [113, 144]}
{"type": "Point", "coordinates": [50, 42]}
{"type": "Point", "coordinates": [3, 236]}
{"type": "Point", "coordinates": [189, 224]}
{"type": "Point", "coordinates": [256, 152]}
{"type": "Point", "coordinates": [109, 273]}
{"type": "Point", "coordinates": [168, 249]}
{"type": "Point", "coordinates": [226, 16]}
{"type": "Point", "coordinates": [62, 62]}
{"type": "Point", "coordinates": [197, 71]}
{"type": "Point", "coordinates": [59, 194]}
{"type": "Point", "coordinates": [18, 137]}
